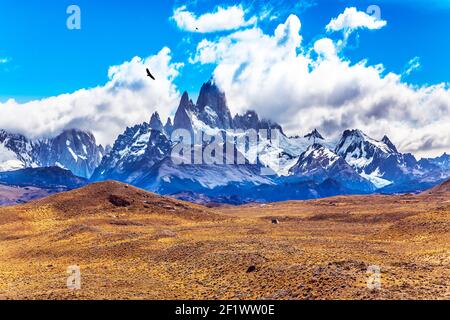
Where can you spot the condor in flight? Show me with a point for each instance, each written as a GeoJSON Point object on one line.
{"type": "Point", "coordinates": [150, 75]}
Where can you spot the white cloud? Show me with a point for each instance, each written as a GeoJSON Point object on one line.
{"type": "Point", "coordinates": [4, 60]}
{"type": "Point", "coordinates": [128, 98]}
{"type": "Point", "coordinates": [325, 48]}
{"type": "Point", "coordinates": [222, 19]}
{"type": "Point", "coordinates": [352, 19]}
{"type": "Point", "coordinates": [304, 89]}
{"type": "Point", "coordinates": [413, 64]}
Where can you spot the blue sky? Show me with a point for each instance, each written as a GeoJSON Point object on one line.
{"type": "Point", "coordinates": [306, 64]}
{"type": "Point", "coordinates": [45, 58]}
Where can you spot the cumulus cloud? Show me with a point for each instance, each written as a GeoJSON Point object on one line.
{"type": "Point", "coordinates": [222, 19]}
{"type": "Point", "coordinates": [325, 48]}
{"type": "Point", "coordinates": [128, 98]}
{"type": "Point", "coordinates": [352, 19]}
{"type": "Point", "coordinates": [305, 88]}
{"type": "Point", "coordinates": [4, 60]}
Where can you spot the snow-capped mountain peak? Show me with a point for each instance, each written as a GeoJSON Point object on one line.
{"type": "Point", "coordinates": [16, 152]}
{"type": "Point", "coordinates": [75, 150]}
{"type": "Point", "coordinates": [134, 152]}
{"type": "Point", "coordinates": [314, 136]}
{"type": "Point", "coordinates": [377, 161]}
{"type": "Point", "coordinates": [389, 144]}
{"type": "Point", "coordinates": [320, 163]}
{"type": "Point", "coordinates": [316, 157]}
{"type": "Point", "coordinates": [359, 149]}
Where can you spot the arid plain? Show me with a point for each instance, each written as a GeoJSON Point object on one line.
{"type": "Point", "coordinates": [130, 244]}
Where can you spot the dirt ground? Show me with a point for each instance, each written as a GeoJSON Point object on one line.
{"type": "Point", "coordinates": [130, 244]}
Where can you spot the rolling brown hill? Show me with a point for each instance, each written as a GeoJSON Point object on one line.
{"type": "Point", "coordinates": [443, 188]}
{"type": "Point", "coordinates": [131, 244]}
{"type": "Point", "coordinates": [11, 195]}
{"type": "Point", "coordinates": [115, 197]}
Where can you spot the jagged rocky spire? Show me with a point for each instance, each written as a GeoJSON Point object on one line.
{"type": "Point", "coordinates": [182, 118]}
{"type": "Point", "coordinates": [155, 122]}
{"type": "Point", "coordinates": [168, 127]}
{"type": "Point", "coordinates": [212, 104]}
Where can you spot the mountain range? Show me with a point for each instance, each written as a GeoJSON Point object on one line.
{"type": "Point", "coordinates": [276, 166]}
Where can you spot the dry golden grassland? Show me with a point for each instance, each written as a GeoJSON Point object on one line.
{"type": "Point", "coordinates": [130, 244]}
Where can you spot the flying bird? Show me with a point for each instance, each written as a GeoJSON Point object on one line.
{"type": "Point", "coordinates": [150, 75]}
